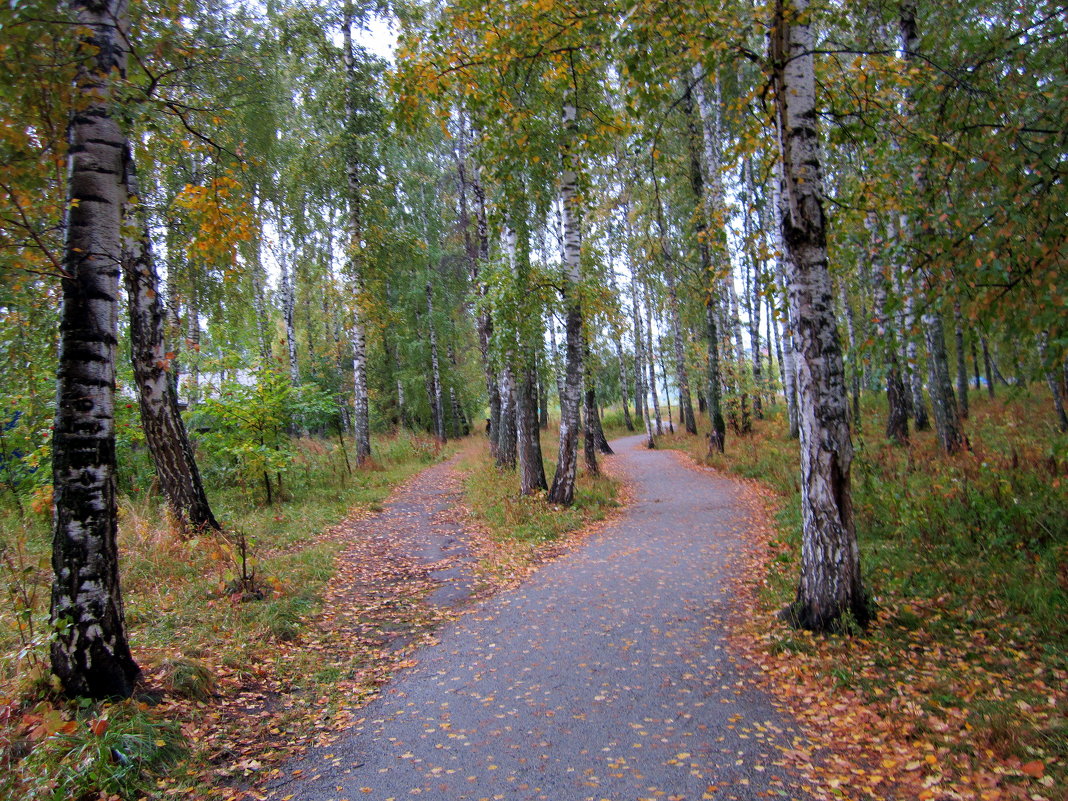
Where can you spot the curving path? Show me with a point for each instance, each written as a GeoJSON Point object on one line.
{"type": "Point", "coordinates": [605, 676]}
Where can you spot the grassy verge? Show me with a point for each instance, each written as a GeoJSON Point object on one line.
{"type": "Point", "coordinates": [960, 687]}
{"type": "Point", "coordinates": [214, 647]}
{"type": "Point", "coordinates": [527, 529]}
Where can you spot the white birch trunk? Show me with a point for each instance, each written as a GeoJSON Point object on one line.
{"type": "Point", "coordinates": [562, 490]}
{"type": "Point", "coordinates": [830, 588]}
{"type": "Point", "coordinates": [361, 418]}
{"type": "Point", "coordinates": [90, 654]}
{"type": "Point", "coordinates": [650, 358]}
{"type": "Point", "coordinates": [437, 407]}
{"type": "Point", "coordinates": [289, 303]}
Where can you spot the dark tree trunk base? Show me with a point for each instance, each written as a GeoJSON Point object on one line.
{"type": "Point", "coordinates": [837, 620]}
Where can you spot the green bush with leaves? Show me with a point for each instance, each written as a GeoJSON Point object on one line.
{"type": "Point", "coordinates": [246, 430]}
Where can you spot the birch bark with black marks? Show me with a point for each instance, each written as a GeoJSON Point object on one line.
{"type": "Point", "coordinates": [477, 250]}
{"type": "Point", "coordinates": [789, 369]}
{"type": "Point", "coordinates": [161, 421]}
{"type": "Point", "coordinates": [90, 653]}
{"type": "Point", "coordinates": [562, 490]}
{"type": "Point", "coordinates": [752, 284]}
{"type": "Point", "coordinates": [830, 590]}
{"type": "Point", "coordinates": [289, 303]}
{"type": "Point", "coordinates": [361, 417]}
{"type": "Point", "coordinates": [702, 224]}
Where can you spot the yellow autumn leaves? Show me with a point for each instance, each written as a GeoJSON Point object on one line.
{"type": "Point", "coordinates": [218, 217]}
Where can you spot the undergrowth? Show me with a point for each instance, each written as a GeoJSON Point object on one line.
{"type": "Point", "coordinates": [196, 607]}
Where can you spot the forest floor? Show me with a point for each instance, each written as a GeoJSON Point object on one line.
{"type": "Point", "coordinates": [607, 674]}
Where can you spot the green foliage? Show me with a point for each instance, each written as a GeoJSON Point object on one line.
{"type": "Point", "coordinates": [246, 428]}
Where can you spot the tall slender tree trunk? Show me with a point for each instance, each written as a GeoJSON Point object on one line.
{"type": "Point", "coordinates": [257, 277]}
{"type": "Point", "coordinates": [562, 490]}
{"type": "Point", "coordinates": [543, 396]}
{"type": "Point", "coordinates": [702, 223]}
{"type": "Point", "coordinates": [752, 288]}
{"type": "Point", "coordinates": [940, 386]}
{"type": "Point", "coordinates": [987, 367]}
{"type": "Point", "coordinates": [461, 426]}
{"type": "Point", "coordinates": [617, 340]}
{"type": "Point", "coordinates": [477, 249]}
{"type": "Point", "coordinates": [667, 392]}
{"type": "Point", "coordinates": [943, 404]}
{"type": "Point", "coordinates": [830, 588]}
{"type": "Point", "coordinates": [531, 466]}
{"type": "Point", "coordinates": [897, 419]}
{"type": "Point", "coordinates": [361, 418]}
{"type": "Point", "coordinates": [962, 363]}
{"type": "Point", "coordinates": [437, 405]}
{"type": "Point", "coordinates": [289, 304]}
{"type": "Point", "coordinates": [681, 374]}
{"type": "Point", "coordinates": [717, 435]}
{"type": "Point", "coordinates": [506, 425]}
{"type": "Point", "coordinates": [650, 354]}
{"type": "Point", "coordinates": [1052, 380]}
{"type": "Point", "coordinates": [192, 343]}
{"type": "Point", "coordinates": [90, 653]}
{"type": "Point", "coordinates": [641, 410]}
{"type": "Point", "coordinates": [789, 367]}
{"type": "Point", "coordinates": [789, 361]}
{"type": "Point", "coordinates": [589, 436]}
{"type": "Point", "coordinates": [774, 343]}
{"type": "Point", "coordinates": [854, 360]}
{"type": "Point", "coordinates": [913, 374]}
{"type": "Point", "coordinates": [165, 433]}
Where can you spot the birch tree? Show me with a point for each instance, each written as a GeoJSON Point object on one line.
{"type": "Point", "coordinates": [830, 590]}
{"type": "Point", "coordinates": [165, 432]}
{"type": "Point", "coordinates": [90, 654]}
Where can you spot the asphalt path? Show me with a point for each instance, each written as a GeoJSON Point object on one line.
{"type": "Point", "coordinates": [606, 675]}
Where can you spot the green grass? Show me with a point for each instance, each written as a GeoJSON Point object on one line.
{"type": "Point", "coordinates": [494, 499]}
{"type": "Point", "coordinates": [90, 752]}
